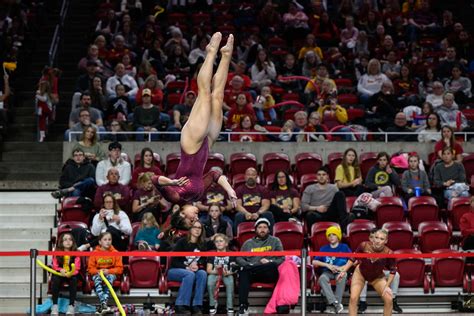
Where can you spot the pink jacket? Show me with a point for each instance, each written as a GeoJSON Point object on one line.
{"type": "Point", "coordinates": [287, 289]}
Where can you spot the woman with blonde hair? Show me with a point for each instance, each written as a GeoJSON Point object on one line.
{"type": "Point", "coordinates": [371, 82]}
{"type": "Point", "coordinates": [90, 145]}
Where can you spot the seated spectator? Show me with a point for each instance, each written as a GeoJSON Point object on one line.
{"type": "Point", "coordinates": [450, 176]}
{"type": "Point", "coordinates": [323, 201]}
{"type": "Point", "coordinates": [246, 126]}
{"type": "Point", "coordinates": [391, 68]}
{"type": "Point", "coordinates": [84, 83]}
{"type": "Point", "coordinates": [98, 99]}
{"type": "Point", "coordinates": [77, 176]}
{"type": "Point", "coordinates": [310, 45]}
{"type": "Point", "coordinates": [448, 140]}
{"type": "Point", "coordinates": [371, 83]}
{"type": "Point", "coordinates": [101, 44]}
{"type": "Point", "coordinates": [176, 40]}
{"type": "Point", "coordinates": [348, 177]}
{"type": "Point", "coordinates": [78, 128]}
{"type": "Point", "coordinates": [426, 85]}
{"type": "Point", "coordinates": [362, 44]}
{"type": "Point", "coordinates": [198, 54]}
{"type": "Point", "coordinates": [146, 118]}
{"type": "Point", "coordinates": [85, 103]}
{"type": "Point", "coordinates": [437, 95]}
{"type": "Point", "coordinates": [349, 35]}
{"type": "Point", "coordinates": [421, 21]}
{"type": "Point", "coordinates": [147, 165]}
{"type": "Point", "coordinates": [128, 34]}
{"type": "Point", "coordinates": [156, 57]}
{"type": "Point", "coordinates": [115, 160]}
{"type": "Point", "coordinates": [445, 67]}
{"type": "Point", "coordinates": [258, 269]}
{"type": "Point", "coordinates": [215, 194]}
{"type": "Point", "coordinates": [310, 65]}
{"type": "Point", "coordinates": [156, 87]}
{"type": "Point", "coordinates": [263, 72]}
{"type": "Point", "coordinates": [145, 70]}
{"type": "Point", "coordinates": [177, 63]}
{"type": "Point", "coordinates": [253, 200]}
{"type": "Point", "coordinates": [240, 69]}
{"type": "Point", "coordinates": [400, 125]}
{"type": "Point", "coordinates": [316, 80]}
{"type": "Point", "coordinates": [117, 51]}
{"type": "Point", "coordinates": [286, 132]}
{"type": "Point", "coordinates": [333, 114]}
{"type": "Point", "coordinates": [115, 129]}
{"type": "Point", "coordinates": [314, 127]}
{"type": "Point", "coordinates": [120, 106]}
{"type": "Point", "coordinates": [90, 145]}
{"type": "Point", "coordinates": [147, 199]}
{"type": "Point", "coordinates": [406, 88]}
{"type": "Point", "coordinates": [130, 69]}
{"type": "Point", "coordinates": [415, 181]}
{"type": "Point", "coordinates": [240, 108]}
{"type": "Point", "coordinates": [265, 103]}
{"type": "Point", "coordinates": [289, 68]}
{"type": "Point", "coordinates": [326, 31]}
{"type": "Point", "coordinates": [449, 115]}
{"type": "Point", "coordinates": [120, 77]}
{"type": "Point", "coordinates": [121, 192]}
{"type": "Point", "coordinates": [295, 23]}
{"type": "Point", "coordinates": [180, 115]}
{"type": "Point", "coordinates": [459, 85]}
{"type": "Point", "coordinates": [230, 96]}
{"type": "Point", "coordinates": [327, 90]}
{"type": "Point", "coordinates": [466, 225]}
{"type": "Point", "coordinates": [112, 219]}
{"type": "Point", "coordinates": [92, 59]}
{"type": "Point", "coordinates": [284, 198]}
{"type": "Point", "coordinates": [431, 132]}
{"type": "Point", "coordinates": [187, 270]}
{"type": "Point", "coordinates": [147, 235]}
{"type": "Point", "coordinates": [224, 265]}
{"type": "Point", "coordinates": [216, 223]}
{"type": "Point", "coordinates": [420, 120]}
{"type": "Point", "coordinates": [381, 179]}
{"type": "Point", "coordinates": [108, 25]}
{"type": "Point", "coordinates": [330, 268]}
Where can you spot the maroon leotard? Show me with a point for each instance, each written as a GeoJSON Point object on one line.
{"type": "Point", "coordinates": [192, 167]}
{"type": "Point", "coordinates": [372, 269]}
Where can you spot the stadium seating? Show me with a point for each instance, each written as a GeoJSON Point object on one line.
{"type": "Point", "coordinates": [350, 200]}
{"type": "Point", "coordinates": [433, 235]}
{"type": "Point", "coordinates": [72, 211]}
{"type": "Point", "coordinates": [273, 162]}
{"type": "Point", "coordinates": [400, 235]}
{"type": "Point", "coordinates": [468, 162]}
{"type": "Point", "coordinates": [390, 209]}
{"type": "Point", "coordinates": [245, 231]}
{"type": "Point", "coordinates": [358, 231]}
{"type": "Point", "coordinates": [412, 270]}
{"type": "Point", "coordinates": [420, 209]}
{"type": "Point", "coordinates": [239, 162]}
{"type": "Point", "coordinates": [457, 207]}
{"type": "Point", "coordinates": [290, 234]}
{"type": "Point", "coordinates": [334, 160]}
{"type": "Point", "coordinates": [366, 161]}
{"type": "Point", "coordinates": [448, 272]}
{"type": "Point", "coordinates": [318, 234]}
{"type": "Point", "coordinates": [135, 228]}
{"type": "Point", "coordinates": [215, 160]}
{"type": "Point", "coordinates": [306, 180]}
{"type": "Point", "coordinates": [307, 163]}
{"type": "Point", "coordinates": [145, 272]}
{"type": "Point", "coordinates": [172, 162]}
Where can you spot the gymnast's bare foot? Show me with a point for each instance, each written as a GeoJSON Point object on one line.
{"type": "Point", "coordinates": [229, 46]}
{"type": "Point", "coordinates": [214, 43]}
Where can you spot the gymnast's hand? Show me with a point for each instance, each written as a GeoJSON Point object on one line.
{"type": "Point", "coordinates": [181, 181]}
{"type": "Point", "coordinates": [232, 197]}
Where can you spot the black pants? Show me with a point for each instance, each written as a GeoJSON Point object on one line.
{"type": "Point", "coordinates": [353, 191]}
{"type": "Point", "coordinates": [469, 245]}
{"type": "Point", "coordinates": [336, 212]}
{"type": "Point", "coordinates": [267, 273]}
{"type": "Point", "coordinates": [279, 215]}
{"type": "Point", "coordinates": [56, 284]}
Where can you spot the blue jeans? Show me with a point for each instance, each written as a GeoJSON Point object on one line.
{"type": "Point", "coordinates": [229, 290]}
{"type": "Point", "coordinates": [82, 186]}
{"type": "Point", "coordinates": [189, 280]}
{"type": "Point", "coordinates": [261, 116]}
{"type": "Point", "coordinates": [240, 218]}
{"type": "Point", "coordinates": [173, 137]}
{"type": "Point", "coordinates": [141, 137]}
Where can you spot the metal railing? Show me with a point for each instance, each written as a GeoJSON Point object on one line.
{"type": "Point", "coordinates": [73, 135]}
{"type": "Point", "coordinates": [57, 36]}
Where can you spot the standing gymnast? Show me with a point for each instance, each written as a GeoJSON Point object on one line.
{"type": "Point", "coordinates": [202, 129]}
{"type": "Point", "coordinates": [372, 271]}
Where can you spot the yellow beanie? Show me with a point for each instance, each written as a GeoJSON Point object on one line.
{"type": "Point", "coordinates": [334, 230]}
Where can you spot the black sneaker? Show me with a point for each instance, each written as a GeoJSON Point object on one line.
{"type": "Point", "coordinates": [181, 310]}
{"type": "Point", "coordinates": [243, 310]}
{"type": "Point", "coordinates": [397, 307]}
{"type": "Point", "coordinates": [362, 307]}
{"type": "Point", "coordinates": [197, 310]}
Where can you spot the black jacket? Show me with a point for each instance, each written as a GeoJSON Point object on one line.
{"type": "Point", "coordinates": [73, 173]}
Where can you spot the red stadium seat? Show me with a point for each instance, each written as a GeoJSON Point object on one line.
{"type": "Point", "coordinates": [350, 200]}
{"type": "Point", "coordinates": [347, 99]}
{"type": "Point", "coordinates": [307, 163]}
{"type": "Point", "coordinates": [367, 160]}
{"type": "Point", "coordinates": [355, 114]}
{"type": "Point", "coordinates": [135, 228]}
{"type": "Point", "coordinates": [344, 82]}
{"type": "Point", "coordinates": [412, 270]}
{"type": "Point", "coordinates": [245, 231]}
{"type": "Point", "coordinates": [290, 234]}
{"type": "Point", "coordinates": [334, 160]}
{"type": "Point", "coordinates": [67, 227]}
{"type": "Point", "coordinates": [306, 180]}
{"type": "Point", "coordinates": [390, 209]}
{"type": "Point", "coordinates": [469, 114]}
{"type": "Point", "coordinates": [291, 97]}
{"type": "Point", "coordinates": [275, 42]}
{"type": "Point", "coordinates": [271, 179]}
{"type": "Point", "coordinates": [138, 158]}
{"type": "Point", "coordinates": [457, 207]}
{"type": "Point", "coordinates": [318, 234]}
{"type": "Point", "coordinates": [290, 114]}
{"type": "Point", "coordinates": [273, 162]}
{"type": "Point", "coordinates": [421, 209]}
{"type": "Point", "coordinates": [434, 235]}
{"type": "Point", "coordinates": [215, 160]}
{"type": "Point", "coordinates": [448, 272]}
{"type": "Point", "coordinates": [172, 162]}
{"type": "Point", "coordinates": [173, 99]}
{"type": "Point", "coordinates": [238, 180]}
{"type": "Point", "coordinates": [72, 211]}
{"type": "Point", "coordinates": [468, 163]}
{"type": "Point", "coordinates": [400, 235]}
{"type": "Point", "coordinates": [176, 86]}
{"type": "Point", "coordinates": [145, 272]}
{"type": "Point", "coordinates": [176, 17]}
{"type": "Point", "coordinates": [200, 17]}
{"type": "Point", "coordinates": [239, 162]}
{"type": "Point", "coordinates": [358, 232]}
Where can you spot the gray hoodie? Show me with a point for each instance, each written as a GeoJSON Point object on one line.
{"type": "Point", "coordinates": [255, 244]}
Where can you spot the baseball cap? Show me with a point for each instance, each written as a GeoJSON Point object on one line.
{"type": "Point", "coordinates": [262, 221]}
{"type": "Point", "coordinates": [146, 92]}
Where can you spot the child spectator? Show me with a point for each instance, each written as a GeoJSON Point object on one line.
{"type": "Point", "coordinates": [147, 235]}
{"type": "Point", "coordinates": [330, 268]}
{"type": "Point", "coordinates": [216, 224]}
{"type": "Point", "coordinates": [382, 179]}
{"type": "Point", "coordinates": [265, 102]}
{"type": "Point", "coordinates": [221, 267]}
{"type": "Point", "coordinates": [415, 181]}
{"type": "Point", "coordinates": [147, 199]}
{"type": "Point", "coordinates": [112, 267]}
{"type": "Point", "coordinates": [62, 264]}
{"type": "Point", "coordinates": [348, 176]}
{"type": "Point", "coordinates": [420, 120]}
{"type": "Point", "coordinates": [44, 107]}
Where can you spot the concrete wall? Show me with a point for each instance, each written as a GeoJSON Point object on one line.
{"type": "Point", "coordinates": [259, 149]}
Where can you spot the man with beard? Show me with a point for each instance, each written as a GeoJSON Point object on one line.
{"type": "Point", "coordinates": [258, 269]}
{"type": "Point", "coordinates": [253, 200]}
